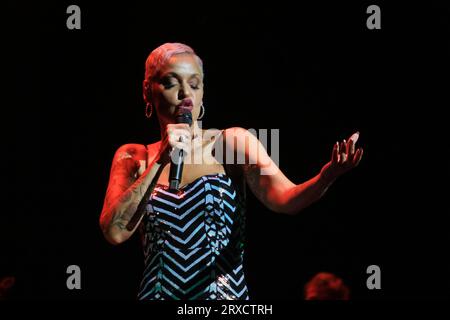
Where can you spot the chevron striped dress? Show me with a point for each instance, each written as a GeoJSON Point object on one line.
{"type": "Point", "coordinates": [193, 242]}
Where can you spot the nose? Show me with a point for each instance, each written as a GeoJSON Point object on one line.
{"type": "Point", "coordinates": [184, 92]}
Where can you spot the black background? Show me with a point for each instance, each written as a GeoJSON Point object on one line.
{"type": "Point", "coordinates": [314, 71]}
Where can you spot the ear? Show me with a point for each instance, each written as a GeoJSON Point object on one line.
{"type": "Point", "coordinates": [147, 91]}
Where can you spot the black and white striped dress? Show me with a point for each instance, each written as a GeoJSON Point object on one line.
{"type": "Point", "coordinates": [193, 242]}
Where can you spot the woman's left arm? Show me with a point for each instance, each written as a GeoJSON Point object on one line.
{"type": "Point", "coordinates": [273, 188]}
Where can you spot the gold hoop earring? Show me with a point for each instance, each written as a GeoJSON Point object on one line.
{"type": "Point", "coordinates": [148, 115]}
{"type": "Point", "coordinates": [203, 113]}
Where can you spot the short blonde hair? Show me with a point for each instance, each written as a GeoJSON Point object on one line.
{"type": "Point", "coordinates": [158, 57]}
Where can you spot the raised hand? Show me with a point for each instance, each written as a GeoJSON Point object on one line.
{"type": "Point", "coordinates": [344, 157]}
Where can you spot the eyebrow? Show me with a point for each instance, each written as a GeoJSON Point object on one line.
{"type": "Point", "coordinates": [174, 74]}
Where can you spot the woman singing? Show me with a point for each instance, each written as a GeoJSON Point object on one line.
{"type": "Point", "coordinates": [193, 236]}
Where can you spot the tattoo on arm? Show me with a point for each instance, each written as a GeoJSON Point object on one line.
{"type": "Point", "coordinates": [119, 222]}
{"type": "Point", "coordinates": [127, 193]}
{"type": "Point", "coordinates": [120, 190]}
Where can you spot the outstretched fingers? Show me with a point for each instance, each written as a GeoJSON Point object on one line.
{"type": "Point", "coordinates": [357, 157]}
{"type": "Point", "coordinates": [350, 150]}
{"type": "Point", "coordinates": [343, 152]}
{"type": "Point", "coordinates": [335, 154]}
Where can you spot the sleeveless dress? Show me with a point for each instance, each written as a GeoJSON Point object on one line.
{"type": "Point", "coordinates": [193, 241]}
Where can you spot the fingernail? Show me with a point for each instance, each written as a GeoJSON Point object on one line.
{"type": "Point", "coordinates": [355, 136]}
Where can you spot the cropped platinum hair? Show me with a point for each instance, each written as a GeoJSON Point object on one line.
{"type": "Point", "coordinates": [162, 54]}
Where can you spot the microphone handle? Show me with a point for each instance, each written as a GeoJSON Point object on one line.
{"type": "Point", "coordinates": [176, 166]}
{"type": "Point", "coordinates": [176, 170]}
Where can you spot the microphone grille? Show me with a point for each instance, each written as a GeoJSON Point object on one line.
{"type": "Point", "coordinates": [184, 116]}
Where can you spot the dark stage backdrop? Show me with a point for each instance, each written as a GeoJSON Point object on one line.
{"type": "Point", "coordinates": [315, 72]}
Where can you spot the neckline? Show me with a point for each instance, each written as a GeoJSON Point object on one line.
{"type": "Point", "coordinates": [165, 186]}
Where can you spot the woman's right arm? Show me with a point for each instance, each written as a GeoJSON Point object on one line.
{"type": "Point", "coordinates": [125, 191]}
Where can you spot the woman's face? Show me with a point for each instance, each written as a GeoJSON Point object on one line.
{"type": "Point", "coordinates": [180, 79]}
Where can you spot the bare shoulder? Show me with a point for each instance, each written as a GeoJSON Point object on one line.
{"type": "Point", "coordinates": [129, 159]}
{"type": "Point", "coordinates": [235, 131]}
{"type": "Point", "coordinates": [131, 150]}
{"type": "Point", "coordinates": [238, 132]}
{"type": "Point", "coordinates": [239, 139]}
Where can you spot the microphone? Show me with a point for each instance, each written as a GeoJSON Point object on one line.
{"type": "Point", "coordinates": [183, 115]}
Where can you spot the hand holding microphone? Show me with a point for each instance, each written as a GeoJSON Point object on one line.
{"type": "Point", "coordinates": [177, 139]}
{"type": "Point", "coordinates": [177, 143]}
